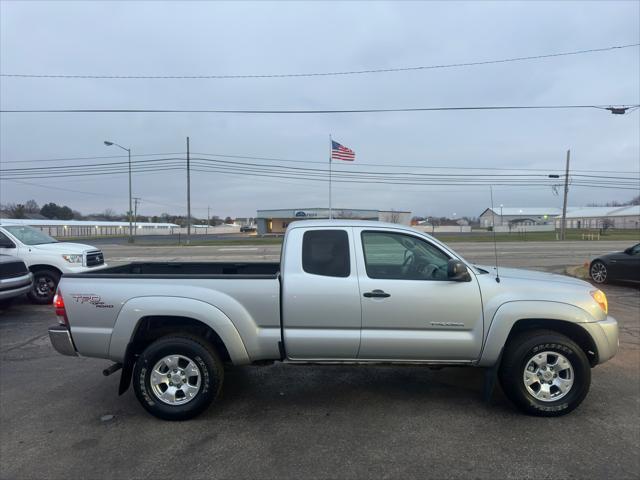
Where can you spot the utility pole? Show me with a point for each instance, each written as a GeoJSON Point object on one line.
{"type": "Point", "coordinates": [208, 218]}
{"type": "Point", "coordinates": [188, 195]}
{"type": "Point", "coordinates": [563, 227]}
{"type": "Point", "coordinates": [135, 214]}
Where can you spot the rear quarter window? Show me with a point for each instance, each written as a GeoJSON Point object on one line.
{"type": "Point", "coordinates": [326, 252]}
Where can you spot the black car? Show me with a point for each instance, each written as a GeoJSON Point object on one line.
{"type": "Point", "coordinates": [617, 266]}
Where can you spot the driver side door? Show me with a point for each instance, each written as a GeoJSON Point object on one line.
{"type": "Point", "coordinates": [410, 310]}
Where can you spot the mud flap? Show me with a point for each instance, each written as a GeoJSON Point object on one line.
{"type": "Point", "coordinates": [127, 369]}
{"type": "Point", "coordinates": [490, 377]}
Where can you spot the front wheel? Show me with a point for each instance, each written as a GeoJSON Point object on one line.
{"type": "Point", "coordinates": [598, 272]}
{"type": "Point", "coordinates": [44, 287]}
{"type": "Point", "coordinates": [177, 377]}
{"type": "Point", "coordinates": [545, 373]}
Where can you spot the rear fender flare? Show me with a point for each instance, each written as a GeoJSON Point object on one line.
{"type": "Point", "coordinates": [139, 307]}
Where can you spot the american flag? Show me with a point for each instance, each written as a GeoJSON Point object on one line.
{"type": "Point", "coordinates": [340, 152]}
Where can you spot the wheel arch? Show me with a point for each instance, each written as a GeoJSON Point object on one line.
{"type": "Point", "coordinates": [145, 319]}
{"type": "Point", "coordinates": [43, 266]}
{"type": "Point", "coordinates": [571, 330]}
{"type": "Point", "coordinates": [154, 327]}
{"type": "Point", "coordinates": [518, 316]}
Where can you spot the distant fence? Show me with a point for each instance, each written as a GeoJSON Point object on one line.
{"type": "Point", "coordinates": [444, 229]}
{"type": "Point", "coordinates": [76, 231]}
{"type": "Point", "coordinates": [524, 228]}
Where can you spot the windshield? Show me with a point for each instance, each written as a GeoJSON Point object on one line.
{"type": "Point", "coordinates": [29, 235]}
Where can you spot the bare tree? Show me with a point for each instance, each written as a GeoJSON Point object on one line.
{"type": "Point", "coordinates": [31, 206]}
{"type": "Point", "coordinates": [15, 210]}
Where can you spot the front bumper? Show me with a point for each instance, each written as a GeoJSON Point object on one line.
{"type": "Point", "coordinates": [605, 335]}
{"type": "Point", "coordinates": [16, 286]}
{"type": "Point", "coordinates": [61, 340]}
{"type": "Point", "coordinates": [77, 268]}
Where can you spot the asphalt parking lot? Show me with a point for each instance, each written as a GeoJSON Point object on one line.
{"type": "Point", "coordinates": [61, 418]}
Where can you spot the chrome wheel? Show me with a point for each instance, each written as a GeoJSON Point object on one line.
{"type": "Point", "coordinates": [548, 376]}
{"type": "Point", "coordinates": [598, 272]}
{"type": "Point", "coordinates": [175, 380]}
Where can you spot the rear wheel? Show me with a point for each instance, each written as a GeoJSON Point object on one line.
{"type": "Point", "coordinates": [598, 272]}
{"type": "Point", "coordinates": [44, 287]}
{"type": "Point", "coordinates": [177, 377]}
{"type": "Point", "coordinates": [545, 373]}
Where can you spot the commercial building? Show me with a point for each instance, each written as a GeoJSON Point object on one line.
{"type": "Point", "coordinates": [277, 221]}
{"type": "Point", "coordinates": [518, 216]}
{"type": "Point", "coordinates": [624, 218]}
{"type": "Point", "coordinates": [627, 217]}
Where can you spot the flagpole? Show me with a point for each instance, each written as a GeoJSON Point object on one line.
{"type": "Point", "coordinates": [330, 149]}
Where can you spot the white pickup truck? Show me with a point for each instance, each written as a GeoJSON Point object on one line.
{"type": "Point", "coordinates": [344, 292]}
{"type": "Point", "coordinates": [46, 258]}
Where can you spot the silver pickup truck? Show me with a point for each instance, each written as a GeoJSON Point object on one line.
{"type": "Point", "coordinates": [344, 292]}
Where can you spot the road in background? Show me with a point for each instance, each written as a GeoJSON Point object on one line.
{"type": "Point", "coordinates": [548, 255]}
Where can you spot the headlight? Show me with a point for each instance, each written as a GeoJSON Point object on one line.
{"type": "Point", "coordinates": [73, 258]}
{"type": "Point", "coordinates": [601, 299]}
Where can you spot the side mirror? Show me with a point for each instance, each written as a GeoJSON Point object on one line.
{"type": "Point", "coordinates": [457, 271]}
{"type": "Point", "coordinates": [629, 251]}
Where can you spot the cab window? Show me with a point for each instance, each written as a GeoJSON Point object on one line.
{"type": "Point", "coordinates": [326, 252]}
{"type": "Point", "coordinates": [397, 256]}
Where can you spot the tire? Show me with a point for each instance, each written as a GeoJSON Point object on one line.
{"type": "Point", "coordinates": [522, 362]}
{"type": "Point", "coordinates": [598, 272]}
{"type": "Point", "coordinates": [185, 349]}
{"type": "Point", "coordinates": [44, 287]}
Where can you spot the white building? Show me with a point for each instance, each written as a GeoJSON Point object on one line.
{"type": "Point", "coordinates": [626, 218]}
{"type": "Point", "coordinates": [577, 217]}
{"type": "Point", "coordinates": [92, 228]}
{"type": "Point", "coordinates": [518, 216]}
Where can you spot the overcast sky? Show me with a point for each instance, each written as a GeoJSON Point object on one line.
{"type": "Point", "coordinates": [174, 38]}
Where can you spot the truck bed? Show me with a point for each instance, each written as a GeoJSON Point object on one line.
{"type": "Point", "coordinates": [187, 269]}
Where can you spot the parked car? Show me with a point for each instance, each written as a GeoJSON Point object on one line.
{"type": "Point", "coordinates": [247, 228]}
{"type": "Point", "coordinates": [47, 258]}
{"type": "Point", "coordinates": [623, 266]}
{"type": "Point", "coordinates": [344, 292]}
{"type": "Point", "coordinates": [15, 278]}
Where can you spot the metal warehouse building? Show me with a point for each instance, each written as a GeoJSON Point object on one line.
{"type": "Point", "coordinates": [277, 221]}
{"type": "Point", "coordinates": [627, 218]}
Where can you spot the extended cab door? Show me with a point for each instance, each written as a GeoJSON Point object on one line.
{"type": "Point", "coordinates": [321, 314]}
{"type": "Point", "coordinates": [410, 310]}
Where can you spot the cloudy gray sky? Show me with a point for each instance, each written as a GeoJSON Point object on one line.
{"type": "Point", "coordinates": [170, 38]}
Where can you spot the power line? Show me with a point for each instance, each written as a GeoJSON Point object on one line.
{"type": "Point", "coordinates": [322, 74]}
{"type": "Point", "coordinates": [321, 112]}
{"type": "Point", "coordinates": [177, 163]}
{"type": "Point", "coordinates": [288, 160]}
{"type": "Point", "coordinates": [306, 176]}
{"type": "Point", "coordinates": [64, 159]}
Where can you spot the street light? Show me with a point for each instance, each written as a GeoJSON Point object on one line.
{"type": "Point", "coordinates": [128, 150]}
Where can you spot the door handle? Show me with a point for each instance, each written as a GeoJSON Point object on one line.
{"type": "Point", "coordinates": [376, 294]}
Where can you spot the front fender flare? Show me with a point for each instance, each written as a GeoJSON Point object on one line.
{"type": "Point", "coordinates": [509, 313]}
